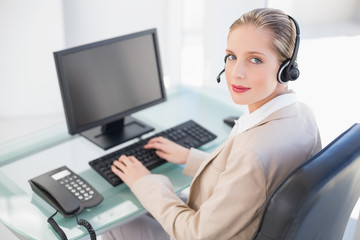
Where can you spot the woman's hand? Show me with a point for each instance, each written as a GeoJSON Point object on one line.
{"type": "Point", "coordinates": [129, 169]}
{"type": "Point", "coordinates": [168, 150]}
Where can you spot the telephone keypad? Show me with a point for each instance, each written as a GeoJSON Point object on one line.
{"type": "Point", "coordinates": [77, 187]}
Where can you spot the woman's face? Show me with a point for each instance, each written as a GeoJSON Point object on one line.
{"type": "Point", "coordinates": [251, 67]}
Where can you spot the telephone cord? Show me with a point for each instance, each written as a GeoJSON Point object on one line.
{"type": "Point", "coordinates": [88, 227]}
{"type": "Point", "coordinates": [56, 227]}
{"type": "Point", "coordinates": [62, 234]}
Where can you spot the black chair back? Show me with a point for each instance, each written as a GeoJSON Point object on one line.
{"type": "Point", "coordinates": [316, 200]}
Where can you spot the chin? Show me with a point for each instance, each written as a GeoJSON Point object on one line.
{"type": "Point", "coordinates": [239, 101]}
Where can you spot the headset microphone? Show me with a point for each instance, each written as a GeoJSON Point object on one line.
{"type": "Point", "coordinates": [218, 76]}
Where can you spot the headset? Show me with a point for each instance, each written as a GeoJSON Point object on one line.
{"type": "Point", "coordinates": [288, 70]}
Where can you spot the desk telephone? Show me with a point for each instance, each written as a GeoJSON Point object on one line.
{"type": "Point", "coordinates": [67, 192]}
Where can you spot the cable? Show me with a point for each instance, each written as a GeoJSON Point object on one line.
{"type": "Point", "coordinates": [88, 227]}
{"type": "Point", "coordinates": [81, 222]}
{"type": "Point", "coordinates": [56, 227]}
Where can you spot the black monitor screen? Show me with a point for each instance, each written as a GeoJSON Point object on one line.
{"type": "Point", "coordinates": [104, 82]}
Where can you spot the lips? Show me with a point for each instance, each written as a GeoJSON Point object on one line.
{"type": "Point", "coordinates": [239, 88]}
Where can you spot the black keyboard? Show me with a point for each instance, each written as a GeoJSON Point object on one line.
{"type": "Point", "coordinates": [188, 134]}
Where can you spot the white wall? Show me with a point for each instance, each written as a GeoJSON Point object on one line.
{"type": "Point", "coordinates": [89, 21]}
{"type": "Point", "coordinates": [30, 31]}
{"type": "Point", "coordinates": [322, 18]}
{"type": "Point", "coordinates": [319, 11]}
{"type": "Point", "coordinates": [357, 11]}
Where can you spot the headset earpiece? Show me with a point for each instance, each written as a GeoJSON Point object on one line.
{"type": "Point", "coordinates": [288, 70]}
{"type": "Point", "coordinates": [293, 73]}
{"type": "Point", "coordinates": [287, 73]}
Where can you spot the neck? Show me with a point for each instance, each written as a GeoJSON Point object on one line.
{"type": "Point", "coordinates": [280, 91]}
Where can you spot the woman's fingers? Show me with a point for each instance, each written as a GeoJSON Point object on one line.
{"type": "Point", "coordinates": [129, 169]}
{"type": "Point", "coordinates": [158, 143]}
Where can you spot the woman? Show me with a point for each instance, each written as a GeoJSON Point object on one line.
{"type": "Point", "coordinates": [232, 184]}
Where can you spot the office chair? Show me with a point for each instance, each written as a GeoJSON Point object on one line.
{"type": "Point", "coordinates": [316, 200]}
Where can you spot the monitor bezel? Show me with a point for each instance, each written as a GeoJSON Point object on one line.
{"type": "Point", "coordinates": [67, 103]}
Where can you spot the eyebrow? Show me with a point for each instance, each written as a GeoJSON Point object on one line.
{"type": "Point", "coordinates": [259, 53]}
{"type": "Point", "coordinates": [249, 53]}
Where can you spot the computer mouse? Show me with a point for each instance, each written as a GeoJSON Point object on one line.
{"type": "Point", "coordinates": [230, 120]}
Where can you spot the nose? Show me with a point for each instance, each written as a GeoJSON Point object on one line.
{"type": "Point", "coordinates": [237, 69]}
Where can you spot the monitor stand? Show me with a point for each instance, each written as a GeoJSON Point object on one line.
{"type": "Point", "coordinates": [117, 132]}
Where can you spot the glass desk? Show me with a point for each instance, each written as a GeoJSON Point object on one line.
{"type": "Point", "coordinates": [26, 214]}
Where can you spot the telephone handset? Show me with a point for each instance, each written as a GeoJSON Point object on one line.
{"type": "Point", "coordinates": [65, 191]}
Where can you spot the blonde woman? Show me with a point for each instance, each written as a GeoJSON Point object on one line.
{"type": "Point", "coordinates": [232, 184]}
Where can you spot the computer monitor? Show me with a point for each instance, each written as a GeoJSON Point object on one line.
{"type": "Point", "coordinates": [104, 82]}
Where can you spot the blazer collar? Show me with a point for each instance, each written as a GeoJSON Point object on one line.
{"type": "Point", "coordinates": [285, 112]}
{"type": "Point", "coordinates": [248, 120]}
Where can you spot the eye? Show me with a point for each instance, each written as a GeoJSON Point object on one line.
{"type": "Point", "coordinates": [256, 60]}
{"type": "Point", "coordinates": [230, 57]}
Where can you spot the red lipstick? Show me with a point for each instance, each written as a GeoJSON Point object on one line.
{"type": "Point", "coordinates": [239, 88]}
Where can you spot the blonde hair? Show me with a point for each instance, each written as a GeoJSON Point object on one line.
{"type": "Point", "coordinates": [278, 23]}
